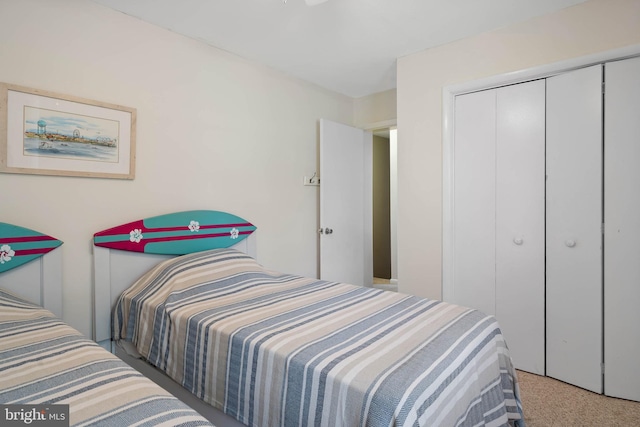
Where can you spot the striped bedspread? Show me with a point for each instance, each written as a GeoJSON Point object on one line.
{"type": "Point", "coordinates": [43, 361]}
{"type": "Point", "coordinates": [274, 349]}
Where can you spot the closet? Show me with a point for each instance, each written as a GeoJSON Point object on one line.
{"type": "Point", "coordinates": [622, 229]}
{"type": "Point", "coordinates": [499, 213]}
{"type": "Point", "coordinates": [574, 227]}
{"type": "Point", "coordinates": [544, 217]}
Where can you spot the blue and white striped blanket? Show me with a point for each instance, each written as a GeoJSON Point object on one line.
{"type": "Point", "coordinates": [44, 361]}
{"type": "Point", "coordinates": [273, 349]}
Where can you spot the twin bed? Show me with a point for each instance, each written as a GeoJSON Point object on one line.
{"type": "Point", "coordinates": [248, 346]}
{"type": "Point", "coordinates": [45, 362]}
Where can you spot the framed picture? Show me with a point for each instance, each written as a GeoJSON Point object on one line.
{"type": "Point", "coordinates": [47, 133]}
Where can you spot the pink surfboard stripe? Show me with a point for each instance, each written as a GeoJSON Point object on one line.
{"type": "Point", "coordinates": [38, 251]}
{"type": "Point", "coordinates": [193, 236]}
{"type": "Point", "coordinates": [23, 239]}
{"type": "Point", "coordinates": [126, 228]}
{"type": "Point", "coordinates": [139, 247]}
{"type": "Point", "coordinates": [202, 227]}
{"type": "Point", "coordinates": [125, 246]}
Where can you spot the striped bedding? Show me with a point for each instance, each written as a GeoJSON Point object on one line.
{"type": "Point", "coordinates": [273, 349]}
{"type": "Point", "coordinates": [44, 361]}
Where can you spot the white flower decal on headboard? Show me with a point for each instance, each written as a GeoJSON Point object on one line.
{"type": "Point", "coordinates": [135, 235]}
{"type": "Point", "coordinates": [234, 233]}
{"type": "Point", "coordinates": [194, 226]}
{"type": "Point", "coordinates": [6, 253]}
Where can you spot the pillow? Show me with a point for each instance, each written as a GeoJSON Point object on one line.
{"type": "Point", "coordinates": [183, 274]}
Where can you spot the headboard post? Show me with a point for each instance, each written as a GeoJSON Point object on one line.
{"type": "Point", "coordinates": [101, 292]}
{"type": "Point", "coordinates": [51, 282]}
{"type": "Point", "coordinates": [39, 281]}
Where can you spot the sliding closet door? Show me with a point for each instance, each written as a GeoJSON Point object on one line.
{"type": "Point", "coordinates": [520, 169]}
{"type": "Point", "coordinates": [574, 221]}
{"type": "Point", "coordinates": [622, 230]}
{"type": "Point", "coordinates": [474, 201]}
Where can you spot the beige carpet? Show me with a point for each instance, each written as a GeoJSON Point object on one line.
{"type": "Point", "coordinates": [549, 403]}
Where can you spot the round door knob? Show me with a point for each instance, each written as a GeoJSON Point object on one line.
{"type": "Point", "coordinates": [518, 241]}
{"type": "Point", "coordinates": [570, 243]}
{"type": "Point", "coordinates": [328, 230]}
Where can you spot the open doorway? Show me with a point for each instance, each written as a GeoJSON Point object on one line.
{"type": "Point", "coordinates": [384, 208]}
{"type": "Point", "coordinates": [346, 203]}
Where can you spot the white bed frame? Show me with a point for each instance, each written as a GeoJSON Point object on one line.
{"type": "Point", "coordinates": [114, 272]}
{"type": "Point", "coordinates": [38, 281]}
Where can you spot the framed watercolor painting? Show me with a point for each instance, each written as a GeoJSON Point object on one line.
{"type": "Point", "coordinates": [47, 133]}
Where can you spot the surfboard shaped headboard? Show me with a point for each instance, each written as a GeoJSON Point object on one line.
{"type": "Point", "coordinates": [30, 267]}
{"type": "Point", "coordinates": [139, 245]}
{"type": "Point", "coordinates": [177, 233]}
{"type": "Point", "coordinates": [19, 245]}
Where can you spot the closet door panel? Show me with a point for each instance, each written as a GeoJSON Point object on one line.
{"type": "Point", "coordinates": [520, 215]}
{"type": "Point", "coordinates": [622, 230]}
{"type": "Point", "coordinates": [474, 201]}
{"type": "Point", "coordinates": [574, 220]}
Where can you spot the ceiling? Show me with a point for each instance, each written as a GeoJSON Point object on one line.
{"type": "Point", "coordinates": [347, 46]}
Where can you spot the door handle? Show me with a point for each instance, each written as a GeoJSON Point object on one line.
{"type": "Point", "coordinates": [325, 230]}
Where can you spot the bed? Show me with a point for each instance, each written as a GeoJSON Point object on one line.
{"type": "Point", "coordinates": [50, 369]}
{"type": "Point", "coordinates": [274, 349]}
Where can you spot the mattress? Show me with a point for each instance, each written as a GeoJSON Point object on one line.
{"type": "Point", "coordinates": [275, 349]}
{"type": "Point", "coordinates": [44, 361]}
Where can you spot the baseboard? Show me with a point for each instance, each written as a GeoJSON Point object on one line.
{"type": "Point", "coordinates": [390, 287]}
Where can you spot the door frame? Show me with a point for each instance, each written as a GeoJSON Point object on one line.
{"type": "Point", "coordinates": [392, 126]}
{"type": "Point", "coordinates": [448, 115]}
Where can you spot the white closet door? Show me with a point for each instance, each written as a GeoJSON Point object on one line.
{"type": "Point", "coordinates": [520, 213]}
{"type": "Point", "coordinates": [474, 201]}
{"type": "Point", "coordinates": [622, 230]}
{"type": "Point", "coordinates": [574, 220]}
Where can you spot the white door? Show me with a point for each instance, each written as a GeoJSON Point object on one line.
{"type": "Point", "coordinates": [622, 230]}
{"type": "Point", "coordinates": [520, 213]}
{"type": "Point", "coordinates": [498, 232]}
{"type": "Point", "coordinates": [574, 221]}
{"type": "Point", "coordinates": [474, 197]}
{"type": "Point", "coordinates": [346, 253]}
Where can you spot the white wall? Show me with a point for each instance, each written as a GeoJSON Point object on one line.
{"type": "Point", "coordinates": [376, 109]}
{"type": "Point", "coordinates": [591, 27]}
{"type": "Point", "coordinates": [214, 132]}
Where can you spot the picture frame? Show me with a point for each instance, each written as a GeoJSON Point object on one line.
{"type": "Point", "coordinates": [47, 133]}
